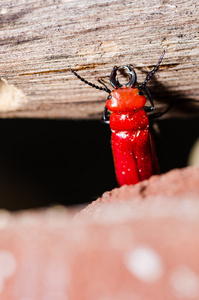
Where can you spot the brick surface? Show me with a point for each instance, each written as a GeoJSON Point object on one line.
{"type": "Point", "coordinates": [134, 243]}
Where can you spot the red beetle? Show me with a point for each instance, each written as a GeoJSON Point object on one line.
{"type": "Point", "coordinates": [132, 143]}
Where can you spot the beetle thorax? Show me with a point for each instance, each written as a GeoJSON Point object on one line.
{"type": "Point", "coordinates": [125, 99]}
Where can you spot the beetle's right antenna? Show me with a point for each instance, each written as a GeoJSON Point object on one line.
{"type": "Point", "coordinates": [91, 84]}
{"type": "Point", "coordinates": [152, 72]}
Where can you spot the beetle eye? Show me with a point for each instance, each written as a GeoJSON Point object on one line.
{"type": "Point", "coordinates": [109, 97]}
{"type": "Point", "coordinates": [140, 93]}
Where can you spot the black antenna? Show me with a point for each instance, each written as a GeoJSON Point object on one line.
{"type": "Point", "coordinates": [89, 83]}
{"type": "Point", "coordinates": [152, 72]}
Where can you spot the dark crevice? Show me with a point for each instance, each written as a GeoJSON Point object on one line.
{"type": "Point", "coordinates": [143, 190]}
{"type": "Point", "coordinates": [47, 162]}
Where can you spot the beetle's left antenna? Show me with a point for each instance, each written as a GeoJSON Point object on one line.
{"type": "Point", "coordinates": [152, 72]}
{"type": "Point", "coordinates": [89, 83]}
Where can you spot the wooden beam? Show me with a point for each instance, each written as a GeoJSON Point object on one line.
{"type": "Point", "coordinates": [40, 40]}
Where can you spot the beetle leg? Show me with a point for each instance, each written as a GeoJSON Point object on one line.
{"type": "Point", "coordinates": [148, 108]}
{"type": "Point", "coordinates": [105, 117]}
{"type": "Point", "coordinates": [149, 96]}
{"type": "Point", "coordinates": [151, 107]}
{"type": "Point", "coordinates": [100, 80]}
{"type": "Point", "coordinates": [160, 114]}
{"type": "Point", "coordinates": [156, 115]}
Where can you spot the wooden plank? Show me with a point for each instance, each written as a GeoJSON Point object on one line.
{"type": "Point", "coordinates": [40, 40]}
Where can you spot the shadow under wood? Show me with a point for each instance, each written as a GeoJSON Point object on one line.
{"type": "Point", "coordinates": [45, 162]}
{"type": "Point", "coordinates": [176, 102]}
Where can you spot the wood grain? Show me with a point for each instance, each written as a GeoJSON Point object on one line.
{"type": "Point", "coordinates": [40, 40]}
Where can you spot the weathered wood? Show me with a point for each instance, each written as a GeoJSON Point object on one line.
{"type": "Point", "coordinates": [40, 40]}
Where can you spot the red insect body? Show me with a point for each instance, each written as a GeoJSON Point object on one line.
{"type": "Point", "coordinates": [132, 143]}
